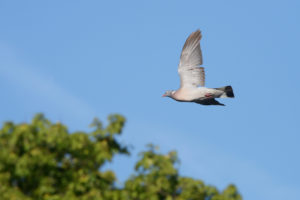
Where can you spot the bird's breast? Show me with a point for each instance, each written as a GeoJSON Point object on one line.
{"type": "Point", "coordinates": [188, 94]}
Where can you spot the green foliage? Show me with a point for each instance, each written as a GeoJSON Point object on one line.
{"type": "Point", "coordinates": [157, 178]}
{"type": "Point", "coordinates": [42, 160]}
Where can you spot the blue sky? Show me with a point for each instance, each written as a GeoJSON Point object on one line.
{"type": "Point", "coordinates": [76, 60]}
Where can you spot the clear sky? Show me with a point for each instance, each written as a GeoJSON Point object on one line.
{"type": "Point", "coordinates": [76, 60]}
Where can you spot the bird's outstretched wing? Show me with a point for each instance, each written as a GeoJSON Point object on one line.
{"type": "Point", "coordinates": [210, 101]}
{"type": "Point", "coordinates": [191, 75]}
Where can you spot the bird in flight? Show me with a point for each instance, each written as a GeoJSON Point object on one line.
{"type": "Point", "coordinates": [192, 76]}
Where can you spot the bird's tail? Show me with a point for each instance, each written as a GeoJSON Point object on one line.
{"type": "Point", "coordinates": [228, 92]}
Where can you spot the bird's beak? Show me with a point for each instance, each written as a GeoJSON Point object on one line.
{"type": "Point", "coordinates": [164, 95]}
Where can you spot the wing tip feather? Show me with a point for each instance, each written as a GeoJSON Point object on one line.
{"type": "Point", "coordinates": [194, 38]}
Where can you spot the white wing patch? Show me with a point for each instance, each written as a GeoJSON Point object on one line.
{"type": "Point", "coordinates": [192, 77]}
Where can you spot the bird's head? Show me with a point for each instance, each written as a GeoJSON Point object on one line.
{"type": "Point", "coordinates": [168, 93]}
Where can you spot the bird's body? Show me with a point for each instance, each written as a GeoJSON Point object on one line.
{"type": "Point", "coordinates": [199, 93]}
{"type": "Point", "coordinates": [192, 76]}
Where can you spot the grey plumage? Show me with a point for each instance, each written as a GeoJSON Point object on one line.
{"type": "Point", "coordinates": [190, 60]}
{"type": "Point", "coordinates": [192, 75]}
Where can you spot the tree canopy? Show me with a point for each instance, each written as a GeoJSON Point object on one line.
{"type": "Point", "coordinates": [43, 160]}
